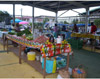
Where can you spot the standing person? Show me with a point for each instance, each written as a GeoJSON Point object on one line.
{"type": "Point", "coordinates": [75, 29]}
{"type": "Point", "coordinates": [64, 28]}
{"type": "Point", "coordinates": [89, 29]}
{"type": "Point", "coordinates": [17, 28]}
{"type": "Point", "coordinates": [13, 25]}
{"type": "Point", "coordinates": [93, 28]}
{"type": "Point", "coordinates": [55, 31]}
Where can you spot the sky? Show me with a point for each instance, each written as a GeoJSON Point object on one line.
{"type": "Point", "coordinates": [27, 10]}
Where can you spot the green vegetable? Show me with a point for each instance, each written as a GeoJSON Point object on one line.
{"type": "Point", "coordinates": [29, 37]}
{"type": "Point", "coordinates": [4, 30]}
{"type": "Point", "coordinates": [20, 33]}
{"type": "Point", "coordinates": [26, 31]}
{"type": "Point", "coordinates": [11, 33]}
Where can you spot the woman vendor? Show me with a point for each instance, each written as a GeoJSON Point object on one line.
{"type": "Point", "coordinates": [55, 31]}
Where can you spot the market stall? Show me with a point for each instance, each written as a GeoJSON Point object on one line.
{"type": "Point", "coordinates": [89, 36]}
{"type": "Point", "coordinates": [48, 50]}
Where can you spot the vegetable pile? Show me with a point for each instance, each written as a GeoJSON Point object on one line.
{"type": "Point", "coordinates": [29, 37]}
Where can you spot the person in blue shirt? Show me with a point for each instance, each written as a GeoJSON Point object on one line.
{"type": "Point", "coordinates": [55, 29]}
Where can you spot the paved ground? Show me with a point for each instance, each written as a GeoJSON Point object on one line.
{"type": "Point", "coordinates": [10, 68]}
{"type": "Point", "coordinates": [91, 61]}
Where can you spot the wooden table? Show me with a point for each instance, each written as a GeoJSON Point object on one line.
{"type": "Point", "coordinates": [25, 57]}
{"type": "Point", "coordinates": [90, 36]}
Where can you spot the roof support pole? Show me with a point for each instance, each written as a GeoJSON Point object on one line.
{"type": "Point", "coordinates": [14, 14]}
{"type": "Point", "coordinates": [56, 19]}
{"type": "Point", "coordinates": [87, 19]}
{"type": "Point", "coordinates": [33, 19]}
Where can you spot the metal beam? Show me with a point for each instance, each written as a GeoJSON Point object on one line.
{"type": "Point", "coordinates": [33, 20]}
{"type": "Point", "coordinates": [49, 3]}
{"type": "Point", "coordinates": [45, 8]}
{"type": "Point", "coordinates": [14, 14]}
{"type": "Point", "coordinates": [56, 19]}
{"type": "Point", "coordinates": [63, 13]}
{"type": "Point", "coordinates": [61, 6]}
{"type": "Point", "coordinates": [76, 11]}
{"type": "Point", "coordinates": [87, 19]}
{"type": "Point", "coordinates": [77, 4]}
{"type": "Point", "coordinates": [92, 5]}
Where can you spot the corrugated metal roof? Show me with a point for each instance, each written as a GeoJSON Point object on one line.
{"type": "Point", "coordinates": [91, 11]}
{"type": "Point", "coordinates": [55, 5]}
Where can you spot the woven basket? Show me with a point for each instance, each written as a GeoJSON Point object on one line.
{"type": "Point", "coordinates": [76, 75]}
{"type": "Point", "coordinates": [64, 73]}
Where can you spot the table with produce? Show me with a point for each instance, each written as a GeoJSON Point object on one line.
{"type": "Point", "coordinates": [85, 35]}
{"type": "Point", "coordinates": [49, 51]}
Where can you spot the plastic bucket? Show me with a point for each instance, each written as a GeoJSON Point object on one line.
{"type": "Point", "coordinates": [31, 56]}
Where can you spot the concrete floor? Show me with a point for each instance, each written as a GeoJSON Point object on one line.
{"type": "Point", "coordinates": [10, 68]}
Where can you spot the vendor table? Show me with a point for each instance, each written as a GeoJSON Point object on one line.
{"type": "Point", "coordinates": [3, 32]}
{"type": "Point", "coordinates": [67, 34]}
{"type": "Point", "coordinates": [84, 35]}
{"type": "Point", "coordinates": [28, 43]}
{"type": "Point", "coordinates": [2, 36]}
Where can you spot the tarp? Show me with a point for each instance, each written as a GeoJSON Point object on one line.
{"type": "Point", "coordinates": [79, 25]}
{"type": "Point", "coordinates": [23, 22]}
{"type": "Point", "coordinates": [16, 21]}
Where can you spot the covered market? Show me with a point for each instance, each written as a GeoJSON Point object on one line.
{"type": "Point", "coordinates": [50, 53]}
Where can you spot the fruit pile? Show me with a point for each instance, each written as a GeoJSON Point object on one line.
{"type": "Point", "coordinates": [41, 39]}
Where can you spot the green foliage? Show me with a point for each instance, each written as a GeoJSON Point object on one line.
{"type": "Point", "coordinates": [19, 33]}
{"type": "Point", "coordinates": [4, 15]}
{"type": "Point", "coordinates": [45, 20]}
{"type": "Point", "coordinates": [65, 22]}
{"type": "Point", "coordinates": [11, 33]}
{"type": "Point", "coordinates": [81, 22]}
{"type": "Point", "coordinates": [97, 22]}
{"type": "Point", "coordinates": [26, 31]}
{"type": "Point", "coordinates": [37, 25]}
{"type": "Point", "coordinates": [75, 21]}
{"type": "Point", "coordinates": [29, 37]}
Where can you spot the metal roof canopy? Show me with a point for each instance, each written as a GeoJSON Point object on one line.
{"type": "Point", "coordinates": [56, 5]}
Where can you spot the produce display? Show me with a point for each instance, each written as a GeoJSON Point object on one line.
{"type": "Point", "coordinates": [11, 33]}
{"type": "Point", "coordinates": [83, 35]}
{"type": "Point", "coordinates": [29, 37]}
{"type": "Point", "coordinates": [4, 30]}
{"type": "Point", "coordinates": [41, 39]}
{"type": "Point", "coordinates": [24, 41]}
{"type": "Point", "coordinates": [26, 32]}
{"type": "Point", "coordinates": [19, 33]}
{"type": "Point", "coordinates": [50, 49]}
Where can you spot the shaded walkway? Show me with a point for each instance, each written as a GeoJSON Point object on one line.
{"type": "Point", "coordinates": [91, 61]}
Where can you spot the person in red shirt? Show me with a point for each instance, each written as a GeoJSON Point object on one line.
{"type": "Point", "coordinates": [75, 28]}
{"type": "Point", "coordinates": [93, 27]}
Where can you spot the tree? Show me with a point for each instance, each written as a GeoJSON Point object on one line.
{"type": "Point", "coordinates": [45, 20]}
{"type": "Point", "coordinates": [82, 22]}
{"type": "Point", "coordinates": [65, 22]}
{"type": "Point", "coordinates": [5, 16]}
{"type": "Point", "coordinates": [75, 21]}
{"type": "Point", "coordinates": [97, 22]}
